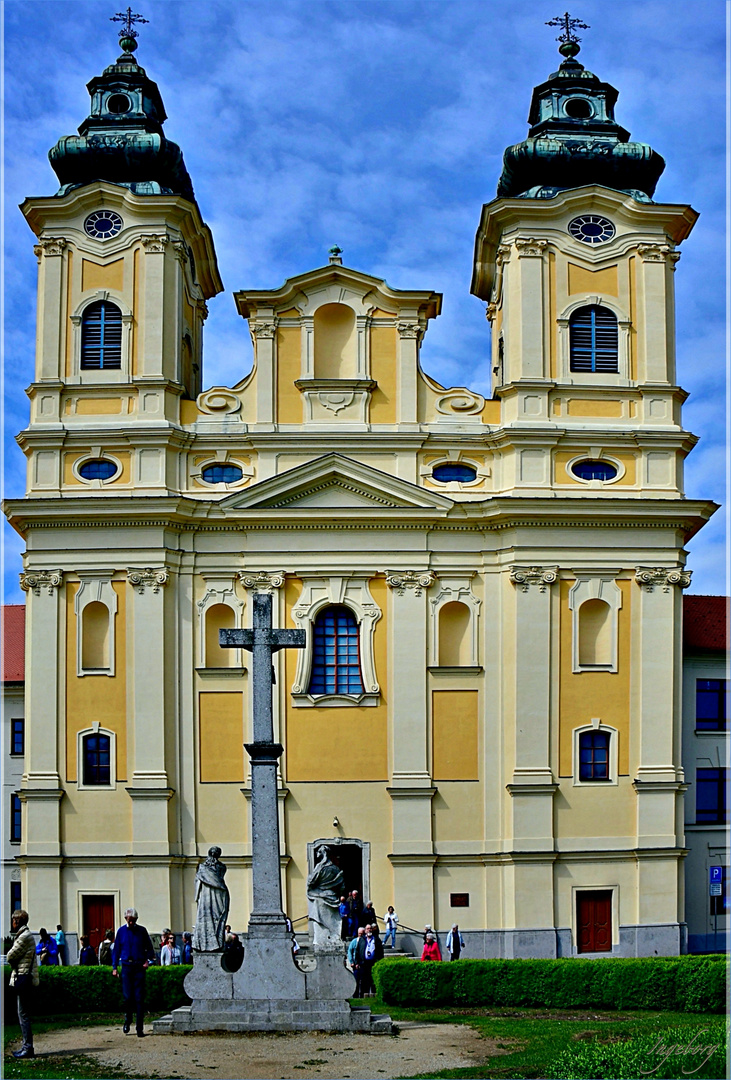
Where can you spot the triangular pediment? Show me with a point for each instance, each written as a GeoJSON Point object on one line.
{"type": "Point", "coordinates": [335, 482]}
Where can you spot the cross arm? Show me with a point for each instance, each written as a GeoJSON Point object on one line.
{"type": "Point", "coordinates": [272, 639]}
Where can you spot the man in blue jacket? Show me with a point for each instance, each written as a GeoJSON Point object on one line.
{"type": "Point", "coordinates": [133, 953]}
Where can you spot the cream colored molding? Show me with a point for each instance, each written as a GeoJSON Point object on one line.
{"type": "Point", "coordinates": [624, 327]}
{"type": "Point", "coordinates": [220, 589]}
{"type": "Point", "coordinates": [460, 402]}
{"type": "Point", "coordinates": [525, 576]}
{"type": "Point", "coordinates": [264, 330]}
{"type": "Point", "coordinates": [96, 729]}
{"type": "Point", "coordinates": [658, 253]}
{"type": "Point", "coordinates": [351, 396]}
{"type": "Point", "coordinates": [594, 586]}
{"type": "Point", "coordinates": [353, 592]}
{"type": "Point", "coordinates": [96, 454]}
{"type": "Point", "coordinates": [155, 243]}
{"type": "Point", "coordinates": [401, 580]}
{"type": "Point", "coordinates": [530, 247]}
{"type": "Point", "coordinates": [262, 581]}
{"type": "Point", "coordinates": [36, 580]}
{"type": "Point", "coordinates": [455, 588]}
{"type": "Point", "coordinates": [223, 457]}
{"type": "Point", "coordinates": [219, 401]}
{"type": "Point", "coordinates": [102, 375]}
{"type": "Point", "coordinates": [149, 578]}
{"type": "Point", "coordinates": [409, 330]}
{"type": "Point", "coordinates": [648, 577]}
{"type": "Point", "coordinates": [50, 245]}
{"type": "Point", "coordinates": [96, 587]}
{"type": "Point", "coordinates": [595, 454]}
{"type": "Point", "coordinates": [595, 724]}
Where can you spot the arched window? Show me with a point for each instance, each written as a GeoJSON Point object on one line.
{"type": "Point", "coordinates": [595, 634]}
{"type": "Point", "coordinates": [219, 617]}
{"type": "Point", "coordinates": [101, 336]}
{"type": "Point", "coordinates": [455, 639]}
{"type": "Point", "coordinates": [336, 653]}
{"type": "Point", "coordinates": [96, 765]}
{"type": "Point", "coordinates": [95, 636]}
{"type": "Point", "coordinates": [594, 755]}
{"type": "Point", "coordinates": [594, 340]}
{"type": "Point", "coordinates": [335, 342]}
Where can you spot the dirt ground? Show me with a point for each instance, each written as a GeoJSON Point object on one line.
{"type": "Point", "coordinates": [418, 1048]}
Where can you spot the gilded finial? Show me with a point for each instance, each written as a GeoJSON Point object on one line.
{"type": "Point", "coordinates": [569, 46]}
{"type": "Point", "coordinates": [128, 35]}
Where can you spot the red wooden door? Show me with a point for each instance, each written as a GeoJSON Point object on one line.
{"type": "Point", "coordinates": [594, 921]}
{"type": "Point", "coordinates": [98, 918]}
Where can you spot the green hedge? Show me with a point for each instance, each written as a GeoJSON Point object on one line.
{"type": "Point", "coordinates": [95, 989]}
{"type": "Point", "coordinates": [685, 983]}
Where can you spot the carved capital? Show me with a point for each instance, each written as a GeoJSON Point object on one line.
{"type": "Point", "coordinates": [418, 580]}
{"type": "Point", "coordinates": [149, 578]}
{"type": "Point", "coordinates": [262, 581]}
{"type": "Point", "coordinates": [648, 577]}
{"type": "Point", "coordinates": [36, 580]}
{"type": "Point", "coordinates": [264, 330]}
{"type": "Point", "coordinates": [408, 330]}
{"type": "Point", "coordinates": [491, 311]}
{"type": "Point", "coordinates": [657, 253]}
{"type": "Point", "coordinates": [155, 243]}
{"type": "Point", "coordinates": [525, 576]}
{"type": "Point", "coordinates": [503, 254]}
{"type": "Point", "coordinates": [180, 249]}
{"type": "Point", "coordinates": [530, 246]}
{"type": "Point", "coordinates": [49, 245]}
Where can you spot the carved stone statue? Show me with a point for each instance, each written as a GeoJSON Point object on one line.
{"type": "Point", "coordinates": [324, 889]}
{"type": "Point", "coordinates": [212, 898]}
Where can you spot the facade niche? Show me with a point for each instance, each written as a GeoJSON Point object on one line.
{"type": "Point", "coordinates": [595, 602]}
{"type": "Point", "coordinates": [455, 641]}
{"type": "Point", "coordinates": [95, 636]}
{"type": "Point", "coordinates": [219, 617]}
{"type": "Point", "coordinates": [95, 606]}
{"type": "Point", "coordinates": [335, 342]}
{"type": "Point", "coordinates": [595, 641]}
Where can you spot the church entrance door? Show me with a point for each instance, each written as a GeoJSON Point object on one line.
{"type": "Point", "coordinates": [349, 858]}
{"type": "Point", "coordinates": [98, 917]}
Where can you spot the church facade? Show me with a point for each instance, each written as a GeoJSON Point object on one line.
{"type": "Point", "coordinates": [485, 723]}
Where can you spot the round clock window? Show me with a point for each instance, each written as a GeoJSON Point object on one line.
{"type": "Point", "coordinates": [592, 229]}
{"type": "Point", "coordinates": [102, 224]}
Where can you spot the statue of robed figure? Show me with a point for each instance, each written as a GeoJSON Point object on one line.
{"type": "Point", "coordinates": [212, 898]}
{"type": "Point", "coordinates": [324, 889]}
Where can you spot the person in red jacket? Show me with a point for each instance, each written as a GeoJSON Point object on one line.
{"type": "Point", "coordinates": [431, 949]}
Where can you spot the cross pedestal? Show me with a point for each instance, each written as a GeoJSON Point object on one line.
{"type": "Point", "coordinates": [269, 992]}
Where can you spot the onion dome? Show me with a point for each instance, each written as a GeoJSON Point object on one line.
{"type": "Point", "coordinates": [122, 140]}
{"type": "Point", "coordinates": [574, 140]}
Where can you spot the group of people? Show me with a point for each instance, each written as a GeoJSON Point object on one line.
{"type": "Point", "coordinates": [51, 948]}
{"type": "Point", "coordinates": [355, 916]}
{"type": "Point", "coordinates": [454, 944]}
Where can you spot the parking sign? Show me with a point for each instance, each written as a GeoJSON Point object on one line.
{"type": "Point", "coordinates": [715, 875]}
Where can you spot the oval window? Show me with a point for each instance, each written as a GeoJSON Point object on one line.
{"type": "Point", "coordinates": [594, 470]}
{"type": "Point", "coordinates": [118, 103]}
{"type": "Point", "coordinates": [103, 469]}
{"type": "Point", "coordinates": [463, 474]}
{"type": "Point", "coordinates": [578, 108]}
{"type": "Point", "coordinates": [222, 474]}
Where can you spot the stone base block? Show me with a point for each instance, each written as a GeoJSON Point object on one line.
{"type": "Point", "coordinates": [266, 1015]}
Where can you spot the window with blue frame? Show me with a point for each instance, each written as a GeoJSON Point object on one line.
{"type": "Point", "coordinates": [594, 340]}
{"type": "Point", "coordinates": [711, 807]}
{"type": "Point", "coordinates": [101, 336]}
{"type": "Point", "coordinates": [97, 759]}
{"type": "Point", "coordinates": [16, 817]}
{"type": "Point", "coordinates": [594, 755]}
{"type": "Point", "coordinates": [17, 736]}
{"type": "Point", "coordinates": [711, 704]}
{"type": "Point", "coordinates": [336, 653]}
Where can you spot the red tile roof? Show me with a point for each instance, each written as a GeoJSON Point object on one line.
{"type": "Point", "coordinates": [13, 642]}
{"type": "Point", "coordinates": [705, 622]}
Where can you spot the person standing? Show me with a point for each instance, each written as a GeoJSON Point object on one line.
{"type": "Point", "coordinates": [391, 921]}
{"type": "Point", "coordinates": [187, 951]}
{"type": "Point", "coordinates": [87, 956]}
{"type": "Point", "coordinates": [431, 949]}
{"type": "Point", "coordinates": [61, 945]}
{"type": "Point", "coordinates": [133, 953]}
{"type": "Point", "coordinates": [47, 949]}
{"type": "Point", "coordinates": [344, 920]}
{"type": "Point", "coordinates": [105, 948]}
{"type": "Point", "coordinates": [353, 961]}
{"type": "Point", "coordinates": [455, 943]}
{"type": "Point", "coordinates": [355, 907]}
{"type": "Point", "coordinates": [169, 953]}
{"type": "Point", "coordinates": [368, 915]}
{"type": "Point", "coordinates": [23, 961]}
{"type": "Point", "coordinates": [370, 951]}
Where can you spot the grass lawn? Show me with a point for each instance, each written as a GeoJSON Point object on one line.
{"type": "Point", "coordinates": [66, 1066]}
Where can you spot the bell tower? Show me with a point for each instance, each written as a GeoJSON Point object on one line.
{"type": "Point", "coordinates": [126, 265]}
{"type": "Point", "coordinates": [576, 263]}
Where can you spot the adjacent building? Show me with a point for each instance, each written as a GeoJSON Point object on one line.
{"type": "Point", "coordinates": [485, 724]}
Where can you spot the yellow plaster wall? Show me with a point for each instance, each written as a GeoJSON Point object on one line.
{"type": "Point", "coordinates": [464, 878]}
{"type": "Point", "coordinates": [101, 816]}
{"type": "Point", "coordinates": [491, 412]}
{"type": "Point", "coordinates": [632, 317]}
{"type": "Point", "coordinates": [454, 734]}
{"type": "Point", "coordinates": [217, 804]}
{"type": "Point", "coordinates": [457, 814]}
{"type": "Point", "coordinates": [189, 412]}
{"type": "Point", "coordinates": [289, 368]}
{"type": "Point", "coordinates": [69, 324]}
{"type": "Point", "coordinates": [320, 741]}
{"type": "Point", "coordinates": [136, 313]}
{"type": "Point", "coordinates": [596, 810]}
{"type": "Point", "coordinates": [588, 694]}
{"type": "Point", "coordinates": [383, 370]}
{"type": "Point", "coordinates": [584, 280]}
{"type": "Point", "coordinates": [94, 276]}
{"type": "Point", "coordinates": [96, 697]}
{"type": "Point", "coordinates": [221, 728]}
{"type": "Point", "coordinates": [290, 313]}
{"type": "Point", "coordinates": [593, 407]}
{"type": "Point", "coordinates": [98, 406]}
{"type": "Point", "coordinates": [562, 457]}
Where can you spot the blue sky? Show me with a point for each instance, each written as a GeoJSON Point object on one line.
{"type": "Point", "coordinates": [378, 125]}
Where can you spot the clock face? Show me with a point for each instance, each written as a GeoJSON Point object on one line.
{"type": "Point", "coordinates": [592, 229]}
{"type": "Point", "coordinates": [102, 224]}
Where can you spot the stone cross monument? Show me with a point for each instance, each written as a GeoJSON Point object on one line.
{"type": "Point", "coordinates": [269, 992]}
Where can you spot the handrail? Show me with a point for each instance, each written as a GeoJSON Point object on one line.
{"type": "Point", "coordinates": [401, 928]}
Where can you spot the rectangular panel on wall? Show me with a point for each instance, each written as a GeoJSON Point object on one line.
{"type": "Point", "coordinates": [454, 734]}
{"type": "Point", "coordinates": [221, 719]}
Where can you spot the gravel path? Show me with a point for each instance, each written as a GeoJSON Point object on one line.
{"type": "Point", "coordinates": [418, 1048]}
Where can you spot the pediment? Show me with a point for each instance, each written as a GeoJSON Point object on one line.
{"type": "Point", "coordinates": [335, 481]}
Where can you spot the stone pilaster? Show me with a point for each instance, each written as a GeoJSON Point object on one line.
{"type": "Point", "coordinates": [52, 264]}
{"type": "Point", "coordinates": [408, 366]}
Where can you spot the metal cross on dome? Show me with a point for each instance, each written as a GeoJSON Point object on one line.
{"type": "Point", "coordinates": [568, 26]}
{"type": "Point", "coordinates": [129, 19]}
